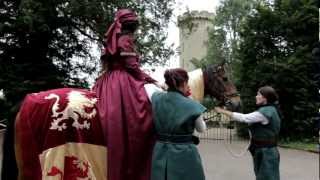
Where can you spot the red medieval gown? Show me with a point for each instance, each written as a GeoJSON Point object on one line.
{"type": "Point", "coordinates": [126, 114]}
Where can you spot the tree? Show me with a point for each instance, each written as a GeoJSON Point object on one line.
{"type": "Point", "coordinates": [316, 66]}
{"type": "Point", "coordinates": [275, 49]}
{"type": "Point", "coordinates": [224, 36]}
{"type": "Point", "coordinates": [46, 44]}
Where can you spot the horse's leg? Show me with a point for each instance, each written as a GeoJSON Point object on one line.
{"type": "Point", "coordinates": [26, 148]}
{"type": "Point", "coordinates": [18, 150]}
{"type": "Point", "coordinates": [9, 165]}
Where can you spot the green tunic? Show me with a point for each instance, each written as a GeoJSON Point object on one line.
{"type": "Point", "coordinates": [175, 115]}
{"type": "Point", "coordinates": [266, 159]}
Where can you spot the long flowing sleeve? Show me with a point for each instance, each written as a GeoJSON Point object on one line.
{"type": "Point", "coordinates": [127, 50]}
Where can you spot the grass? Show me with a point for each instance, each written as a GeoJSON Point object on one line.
{"type": "Point", "coordinates": [300, 145]}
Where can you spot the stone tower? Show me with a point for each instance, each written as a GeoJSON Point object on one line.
{"type": "Point", "coordinates": [193, 34]}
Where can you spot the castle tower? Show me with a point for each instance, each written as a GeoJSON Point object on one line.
{"type": "Point", "coordinates": [193, 34]}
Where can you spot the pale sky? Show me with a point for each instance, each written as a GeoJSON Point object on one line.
{"type": "Point", "coordinates": [181, 6]}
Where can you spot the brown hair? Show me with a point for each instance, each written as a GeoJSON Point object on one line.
{"type": "Point", "coordinates": [174, 78]}
{"type": "Point", "coordinates": [269, 93]}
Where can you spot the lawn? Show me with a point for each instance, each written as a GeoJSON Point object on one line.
{"type": "Point", "coordinates": [300, 145]}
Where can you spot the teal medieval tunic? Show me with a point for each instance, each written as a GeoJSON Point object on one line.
{"type": "Point", "coordinates": [175, 157]}
{"type": "Point", "coordinates": [263, 148]}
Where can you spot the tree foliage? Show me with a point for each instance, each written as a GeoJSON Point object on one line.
{"type": "Point", "coordinates": [224, 37]}
{"type": "Point", "coordinates": [275, 49]}
{"type": "Point", "coordinates": [47, 44]}
{"type": "Point", "coordinates": [316, 66]}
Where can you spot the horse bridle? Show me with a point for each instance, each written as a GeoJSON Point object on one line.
{"type": "Point", "coordinates": [225, 99]}
{"type": "Point", "coordinates": [228, 97]}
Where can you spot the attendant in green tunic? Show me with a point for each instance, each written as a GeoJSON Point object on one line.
{"type": "Point", "coordinates": [264, 127]}
{"type": "Point", "coordinates": [175, 155]}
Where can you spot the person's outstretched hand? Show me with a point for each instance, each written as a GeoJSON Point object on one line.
{"type": "Point", "coordinates": [223, 111]}
{"type": "Point", "coordinates": [218, 109]}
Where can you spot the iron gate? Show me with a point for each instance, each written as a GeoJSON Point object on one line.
{"type": "Point", "coordinates": [219, 127]}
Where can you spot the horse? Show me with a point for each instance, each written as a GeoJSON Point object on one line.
{"type": "Point", "coordinates": [68, 118]}
{"type": "Point", "coordinates": [212, 81]}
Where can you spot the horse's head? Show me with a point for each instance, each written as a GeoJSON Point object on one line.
{"type": "Point", "coordinates": [218, 85]}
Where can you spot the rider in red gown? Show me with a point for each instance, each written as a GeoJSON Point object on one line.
{"type": "Point", "coordinates": [124, 107]}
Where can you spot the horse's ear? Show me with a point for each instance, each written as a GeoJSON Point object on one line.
{"type": "Point", "coordinates": [220, 66]}
{"type": "Point", "coordinates": [222, 63]}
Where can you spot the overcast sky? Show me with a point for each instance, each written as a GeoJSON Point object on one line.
{"type": "Point", "coordinates": [181, 6]}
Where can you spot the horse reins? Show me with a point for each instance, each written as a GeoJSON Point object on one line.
{"type": "Point", "coordinates": [236, 155]}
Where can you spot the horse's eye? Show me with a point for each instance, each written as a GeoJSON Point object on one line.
{"type": "Point", "coordinates": [225, 79]}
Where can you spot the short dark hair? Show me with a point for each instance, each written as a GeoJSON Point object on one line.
{"type": "Point", "coordinates": [269, 93]}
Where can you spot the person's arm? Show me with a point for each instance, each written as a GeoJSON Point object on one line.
{"type": "Point", "coordinates": [127, 50]}
{"type": "Point", "coordinates": [200, 125]}
{"type": "Point", "coordinates": [150, 89]}
{"type": "Point", "coordinates": [254, 117]}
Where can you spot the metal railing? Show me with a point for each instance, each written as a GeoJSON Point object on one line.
{"type": "Point", "coordinates": [219, 128]}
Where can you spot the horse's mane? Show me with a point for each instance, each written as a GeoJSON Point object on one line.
{"type": "Point", "coordinates": [209, 69]}
{"type": "Point", "coordinates": [196, 84]}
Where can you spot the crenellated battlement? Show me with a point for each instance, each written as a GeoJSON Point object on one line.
{"type": "Point", "coordinates": [195, 15]}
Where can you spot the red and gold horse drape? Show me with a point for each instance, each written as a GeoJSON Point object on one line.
{"type": "Point", "coordinates": [58, 136]}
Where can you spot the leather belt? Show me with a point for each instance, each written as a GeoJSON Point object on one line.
{"type": "Point", "coordinates": [264, 143]}
{"type": "Point", "coordinates": [176, 138]}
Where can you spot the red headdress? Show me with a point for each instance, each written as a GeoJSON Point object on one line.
{"type": "Point", "coordinates": [110, 42]}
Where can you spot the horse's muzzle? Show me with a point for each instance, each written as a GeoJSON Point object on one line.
{"type": "Point", "coordinates": [233, 104]}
